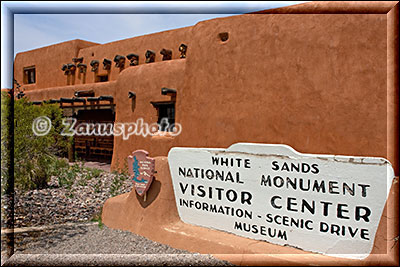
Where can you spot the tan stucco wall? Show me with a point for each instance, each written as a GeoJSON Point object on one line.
{"type": "Point", "coordinates": [321, 83]}
{"type": "Point", "coordinates": [334, 7]}
{"type": "Point", "coordinates": [106, 88]}
{"type": "Point", "coordinates": [48, 62]}
{"type": "Point", "coordinates": [137, 45]}
{"type": "Point", "coordinates": [314, 82]}
{"type": "Point", "coordinates": [146, 81]}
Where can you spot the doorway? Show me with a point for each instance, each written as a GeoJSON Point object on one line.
{"type": "Point", "coordinates": [94, 147]}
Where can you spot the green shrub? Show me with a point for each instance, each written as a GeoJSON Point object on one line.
{"type": "Point", "coordinates": [98, 186]}
{"type": "Point", "coordinates": [35, 157]}
{"type": "Point", "coordinates": [117, 182]}
{"type": "Point", "coordinates": [87, 174]}
{"type": "Point", "coordinates": [95, 173]}
{"type": "Point", "coordinates": [91, 173]}
{"type": "Point", "coordinates": [120, 175]}
{"type": "Point", "coordinates": [5, 99]}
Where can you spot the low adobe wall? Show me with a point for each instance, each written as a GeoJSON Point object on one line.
{"type": "Point", "coordinates": [158, 220]}
{"type": "Point", "coordinates": [106, 88]}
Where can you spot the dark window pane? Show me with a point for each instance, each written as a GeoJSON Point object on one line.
{"type": "Point", "coordinates": [166, 116]}
{"type": "Point", "coordinates": [29, 75]}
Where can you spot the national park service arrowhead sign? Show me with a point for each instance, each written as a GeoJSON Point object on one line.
{"type": "Point", "coordinates": [141, 169]}
{"type": "Point", "coordinates": [320, 203]}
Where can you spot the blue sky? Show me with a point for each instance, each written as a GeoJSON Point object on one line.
{"type": "Point", "coordinates": [37, 30]}
{"type": "Point", "coordinates": [43, 23]}
{"type": "Point", "coordinates": [45, 29]}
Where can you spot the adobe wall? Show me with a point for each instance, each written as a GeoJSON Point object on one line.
{"type": "Point", "coordinates": [334, 7]}
{"type": "Point", "coordinates": [137, 45]}
{"type": "Point", "coordinates": [316, 82]}
{"type": "Point", "coordinates": [146, 81]}
{"type": "Point", "coordinates": [48, 62]}
{"type": "Point", "coordinates": [320, 83]}
{"type": "Point", "coordinates": [105, 88]}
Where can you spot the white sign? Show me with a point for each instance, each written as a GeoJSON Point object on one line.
{"type": "Point", "coordinates": [320, 203]}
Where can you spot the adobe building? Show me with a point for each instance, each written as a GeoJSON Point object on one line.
{"type": "Point", "coordinates": [319, 83]}
{"type": "Point", "coordinates": [320, 77]}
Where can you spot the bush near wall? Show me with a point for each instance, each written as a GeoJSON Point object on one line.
{"type": "Point", "coordinates": [35, 157]}
{"type": "Point", "coordinates": [5, 99]}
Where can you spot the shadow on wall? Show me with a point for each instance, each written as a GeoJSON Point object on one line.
{"type": "Point", "coordinates": [152, 194]}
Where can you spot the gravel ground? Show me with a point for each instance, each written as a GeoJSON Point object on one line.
{"type": "Point", "coordinates": [75, 245]}
{"type": "Point", "coordinates": [92, 239]}
{"type": "Point", "coordinates": [79, 202]}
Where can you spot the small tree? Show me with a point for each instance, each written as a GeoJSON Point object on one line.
{"type": "Point", "coordinates": [34, 155]}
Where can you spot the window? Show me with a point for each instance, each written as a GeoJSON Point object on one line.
{"type": "Point", "coordinates": [101, 78]}
{"type": "Point", "coordinates": [29, 75]}
{"type": "Point", "coordinates": [166, 115]}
